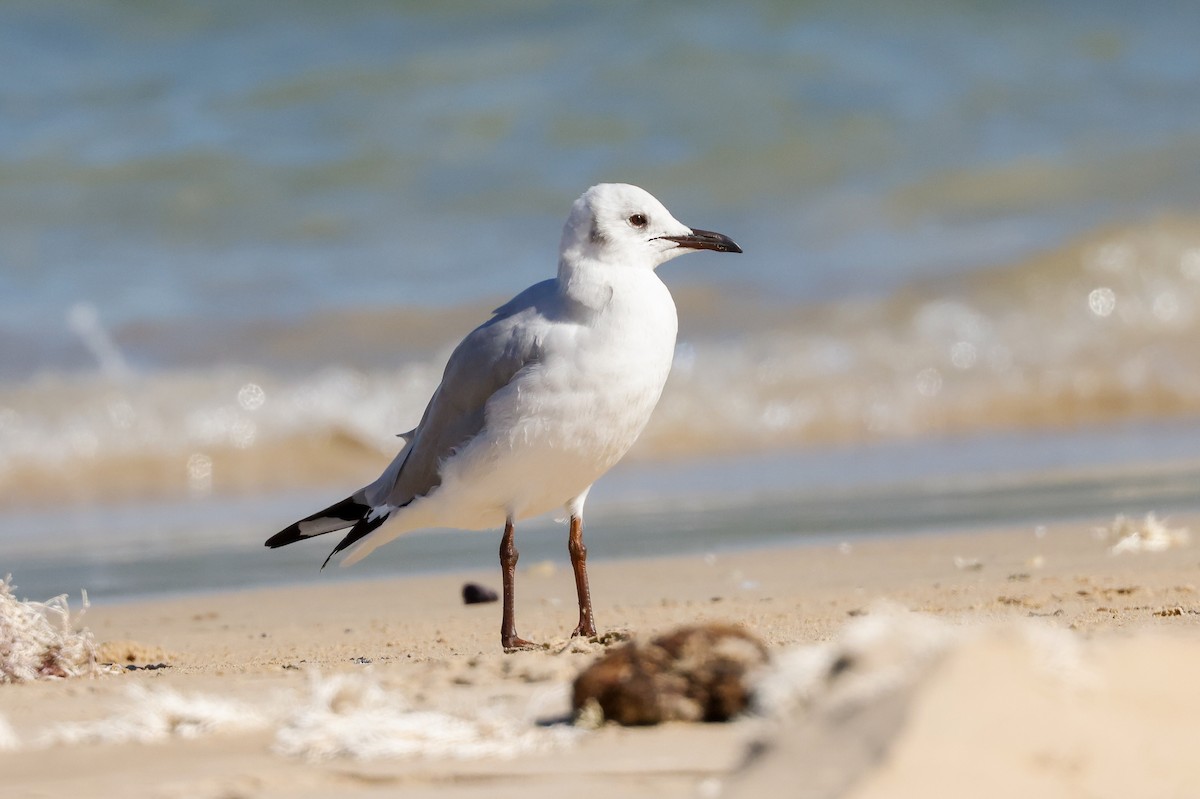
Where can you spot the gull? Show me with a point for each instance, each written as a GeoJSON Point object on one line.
{"type": "Point", "coordinates": [539, 401]}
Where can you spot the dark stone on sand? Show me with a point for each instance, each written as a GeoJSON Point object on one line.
{"type": "Point", "coordinates": [475, 594]}
{"type": "Point", "coordinates": [691, 674]}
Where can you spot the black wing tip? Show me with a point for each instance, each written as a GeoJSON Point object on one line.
{"type": "Point", "coordinates": [284, 537]}
{"type": "Point", "coordinates": [346, 513]}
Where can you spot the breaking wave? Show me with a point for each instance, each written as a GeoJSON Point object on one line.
{"type": "Point", "coordinates": [1101, 331]}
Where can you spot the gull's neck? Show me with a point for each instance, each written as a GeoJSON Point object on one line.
{"type": "Point", "coordinates": [585, 283]}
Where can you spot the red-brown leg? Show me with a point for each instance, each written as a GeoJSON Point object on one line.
{"type": "Point", "coordinates": [508, 569]}
{"type": "Point", "coordinates": [578, 552]}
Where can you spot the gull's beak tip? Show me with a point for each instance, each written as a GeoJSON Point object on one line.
{"type": "Point", "coordinates": [705, 240]}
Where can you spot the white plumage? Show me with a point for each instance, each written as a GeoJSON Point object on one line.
{"type": "Point", "coordinates": [540, 401]}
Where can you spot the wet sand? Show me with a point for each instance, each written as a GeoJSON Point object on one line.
{"type": "Point", "coordinates": [986, 716]}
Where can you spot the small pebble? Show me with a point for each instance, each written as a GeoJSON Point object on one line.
{"type": "Point", "coordinates": [475, 594]}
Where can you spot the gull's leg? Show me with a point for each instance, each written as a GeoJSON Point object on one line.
{"type": "Point", "coordinates": [508, 569]}
{"type": "Point", "coordinates": [578, 552]}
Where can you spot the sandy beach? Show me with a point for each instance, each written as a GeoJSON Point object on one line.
{"type": "Point", "coordinates": [241, 242]}
{"type": "Point", "coordinates": [1034, 662]}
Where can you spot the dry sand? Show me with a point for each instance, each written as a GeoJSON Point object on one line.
{"type": "Point", "coordinates": [1039, 665]}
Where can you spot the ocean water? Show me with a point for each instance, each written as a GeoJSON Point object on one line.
{"type": "Point", "coordinates": [237, 242]}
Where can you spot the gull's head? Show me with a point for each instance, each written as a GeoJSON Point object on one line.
{"type": "Point", "coordinates": [622, 225]}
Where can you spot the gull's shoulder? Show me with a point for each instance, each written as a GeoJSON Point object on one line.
{"type": "Point", "coordinates": [541, 299]}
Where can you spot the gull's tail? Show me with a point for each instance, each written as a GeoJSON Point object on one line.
{"type": "Point", "coordinates": [353, 513]}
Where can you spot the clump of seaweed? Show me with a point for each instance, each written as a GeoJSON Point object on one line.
{"type": "Point", "coordinates": [37, 641]}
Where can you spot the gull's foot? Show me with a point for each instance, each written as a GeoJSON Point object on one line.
{"type": "Point", "coordinates": [517, 644]}
{"type": "Point", "coordinates": [585, 629]}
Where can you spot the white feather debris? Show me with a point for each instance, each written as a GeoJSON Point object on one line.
{"type": "Point", "coordinates": [875, 653]}
{"type": "Point", "coordinates": [156, 715]}
{"type": "Point", "coordinates": [891, 648]}
{"type": "Point", "coordinates": [350, 715]}
{"type": "Point", "coordinates": [1061, 655]}
{"type": "Point", "coordinates": [9, 742]}
{"type": "Point", "coordinates": [37, 642]}
{"type": "Point", "coordinates": [1149, 535]}
{"type": "Point", "coordinates": [346, 715]}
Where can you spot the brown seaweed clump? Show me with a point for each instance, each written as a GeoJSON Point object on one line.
{"type": "Point", "coordinates": [697, 673]}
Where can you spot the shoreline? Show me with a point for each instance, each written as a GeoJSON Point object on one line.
{"type": "Point", "coordinates": [414, 640]}
{"type": "Point", "coordinates": [138, 551]}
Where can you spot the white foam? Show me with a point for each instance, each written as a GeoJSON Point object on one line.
{"type": "Point", "coordinates": [346, 715]}
{"type": "Point", "coordinates": [153, 715]}
{"type": "Point", "coordinates": [1015, 350]}
{"type": "Point", "coordinates": [349, 715]}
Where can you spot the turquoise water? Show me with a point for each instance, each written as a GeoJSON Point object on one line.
{"type": "Point", "coordinates": [236, 162]}
{"type": "Point", "coordinates": [237, 241]}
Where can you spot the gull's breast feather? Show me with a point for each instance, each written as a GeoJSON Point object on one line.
{"type": "Point", "coordinates": [563, 421]}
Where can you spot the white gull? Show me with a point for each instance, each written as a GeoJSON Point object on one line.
{"type": "Point", "coordinates": [539, 401]}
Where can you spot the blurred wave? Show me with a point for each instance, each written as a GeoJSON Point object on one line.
{"type": "Point", "coordinates": [1102, 330]}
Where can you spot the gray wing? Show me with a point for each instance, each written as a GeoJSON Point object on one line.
{"type": "Point", "coordinates": [482, 364]}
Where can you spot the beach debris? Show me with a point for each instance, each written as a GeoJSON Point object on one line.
{"type": "Point", "coordinates": [350, 715]}
{"type": "Point", "coordinates": [875, 653]}
{"type": "Point", "coordinates": [967, 564]}
{"type": "Point", "coordinates": [156, 715]}
{"type": "Point", "coordinates": [118, 652]}
{"type": "Point", "coordinates": [888, 650]}
{"type": "Point", "coordinates": [1149, 535]}
{"type": "Point", "coordinates": [835, 707]}
{"type": "Point", "coordinates": [697, 673]}
{"type": "Point", "coordinates": [608, 638]}
{"type": "Point", "coordinates": [37, 640]}
{"type": "Point", "coordinates": [856, 702]}
{"type": "Point", "coordinates": [9, 742]}
{"type": "Point", "coordinates": [346, 715]}
{"type": "Point", "coordinates": [476, 594]}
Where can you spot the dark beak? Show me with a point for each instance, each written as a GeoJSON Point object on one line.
{"type": "Point", "coordinates": [705, 240]}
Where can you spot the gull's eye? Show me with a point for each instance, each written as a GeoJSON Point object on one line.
{"type": "Point", "coordinates": [638, 220]}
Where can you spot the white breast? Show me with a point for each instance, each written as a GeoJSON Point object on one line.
{"type": "Point", "coordinates": [566, 420]}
